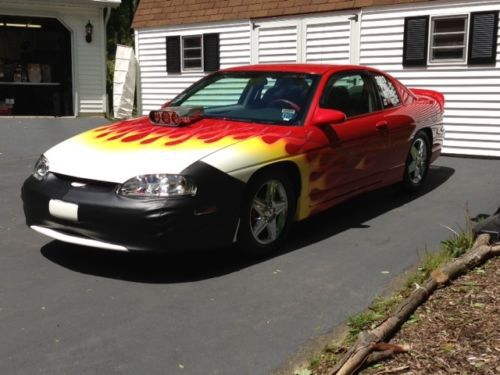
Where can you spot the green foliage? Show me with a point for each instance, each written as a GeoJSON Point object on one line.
{"type": "Point", "coordinates": [461, 241]}
{"type": "Point", "coordinates": [429, 263]}
{"type": "Point", "coordinates": [458, 244]}
{"type": "Point", "coordinates": [362, 321]}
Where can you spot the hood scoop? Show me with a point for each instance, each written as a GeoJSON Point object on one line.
{"type": "Point", "coordinates": [176, 116]}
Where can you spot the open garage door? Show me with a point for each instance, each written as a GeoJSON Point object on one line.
{"type": "Point", "coordinates": [35, 67]}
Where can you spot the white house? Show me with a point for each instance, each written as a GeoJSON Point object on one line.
{"type": "Point", "coordinates": [53, 57]}
{"type": "Point", "coordinates": [449, 46]}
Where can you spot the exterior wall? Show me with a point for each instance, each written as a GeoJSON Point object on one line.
{"type": "Point", "coordinates": [293, 39]}
{"type": "Point", "coordinates": [472, 116]}
{"type": "Point", "coordinates": [156, 86]}
{"type": "Point", "coordinates": [89, 90]}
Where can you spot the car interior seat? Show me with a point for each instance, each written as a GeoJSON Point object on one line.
{"type": "Point", "coordinates": [292, 89]}
{"type": "Point", "coordinates": [338, 98]}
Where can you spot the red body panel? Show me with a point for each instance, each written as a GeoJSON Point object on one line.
{"type": "Point", "coordinates": [360, 154]}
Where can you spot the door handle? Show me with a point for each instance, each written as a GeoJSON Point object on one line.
{"type": "Point", "coordinates": [382, 126]}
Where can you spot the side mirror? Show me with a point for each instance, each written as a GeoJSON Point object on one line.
{"type": "Point", "coordinates": [325, 116]}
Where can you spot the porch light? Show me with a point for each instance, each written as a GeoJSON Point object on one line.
{"type": "Point", "coordinates": [89, 29]}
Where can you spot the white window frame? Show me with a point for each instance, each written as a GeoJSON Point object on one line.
{"type": "Point", "coordinates": [430, 60]}
{"type": "Point", "coordinates": [197, 69]}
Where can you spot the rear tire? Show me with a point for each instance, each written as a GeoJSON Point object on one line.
{"type": "Point", "coordinates": [267, 213]}
{"type": "Point", "coordinates": [417, 162]}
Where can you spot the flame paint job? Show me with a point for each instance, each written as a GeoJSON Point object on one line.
{"type": "Point", "coordinates": [335, 162]}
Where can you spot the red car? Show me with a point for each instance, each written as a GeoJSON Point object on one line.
{"type": "Point", "coordinates": [237, 157]}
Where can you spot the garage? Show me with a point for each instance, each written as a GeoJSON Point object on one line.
{"type": "Point", "coordinates": [53, 57]}
{"type": "Point", "coordinates": [35, 67]}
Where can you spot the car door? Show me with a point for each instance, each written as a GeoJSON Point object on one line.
{"type": "Point", "coordinates": [353, 158]}
{"type": "Point", "coordinates": [400, 124]}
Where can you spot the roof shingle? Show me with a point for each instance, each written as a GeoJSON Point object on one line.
{"type": "Point", "coordinates": [178, 12]}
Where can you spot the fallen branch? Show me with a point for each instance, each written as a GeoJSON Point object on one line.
{"type": "Point", "coordinates": [357, 355]}
{"type": "Point", "coordinates": [384, 351]}
{"type": "Point", "coordinates": [479, 253]}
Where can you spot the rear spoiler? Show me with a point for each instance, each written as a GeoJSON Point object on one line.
{"type": "Point", "coordinates": [437, 96]}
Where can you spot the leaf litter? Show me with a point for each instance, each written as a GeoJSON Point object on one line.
{"type": "Point", "coordinates": [457, 329]}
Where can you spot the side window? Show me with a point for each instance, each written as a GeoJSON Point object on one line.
{"type": "Point", "coordinates": [349, 93]}
{"type": "Point", "coordinates": [387, 91]}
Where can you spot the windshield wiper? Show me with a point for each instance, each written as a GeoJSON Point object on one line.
{"type": "Point", "coordinates": [258, 121]}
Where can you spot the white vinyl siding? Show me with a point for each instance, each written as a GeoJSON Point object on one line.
{"type": "Point", "coordinates": [89, 60]}
{"type": "Point", "coordinates": [156, 85]}
{"type": "Point", "coordinates": [277, 42]}
{"type": "Point", "coordinates": [329, 41]}
{"type": "Point", "coordinates": [319, 39]}
{"type": "Point", "coordinates": [472, 115]}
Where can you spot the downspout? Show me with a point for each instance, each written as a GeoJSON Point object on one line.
{"type": "Point", "coordinates": [106, 20]}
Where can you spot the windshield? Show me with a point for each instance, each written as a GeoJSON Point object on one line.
{"type": "Point", "coordinates": [262, 97]}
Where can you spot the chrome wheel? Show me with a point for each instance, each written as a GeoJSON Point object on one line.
{"type": "Point", "coordinates": [269, 212]}
{"type": "Point", "coordinates": [417, 165]}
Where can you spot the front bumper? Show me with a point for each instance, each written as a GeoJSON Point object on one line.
{"type": "Point", "coordinates": [105, 218]}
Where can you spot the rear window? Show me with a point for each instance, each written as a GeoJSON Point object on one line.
{"type": "Point", "coordinates": [387, 91]}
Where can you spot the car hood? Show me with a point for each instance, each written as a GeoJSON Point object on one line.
{"type": "Point", "coordinates": [120, 151]}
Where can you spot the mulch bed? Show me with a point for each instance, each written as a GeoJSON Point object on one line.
{"type": "Point", "coordinates": [457, 331]}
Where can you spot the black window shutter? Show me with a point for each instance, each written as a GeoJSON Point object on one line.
{"type": "Point", "coordinates": [211, 54]}
{"type": "Point", "coordinates": [416, 40]}
{"type": "Point", "coordinates": [173, 54]}
{"type": "Point", "coordinates": [483, 38]}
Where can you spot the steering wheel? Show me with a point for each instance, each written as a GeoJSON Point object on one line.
{"type": "Point", "coordinates": [285, 101]}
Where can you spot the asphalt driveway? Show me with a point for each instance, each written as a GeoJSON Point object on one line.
{"type": "Point", "coordinates": [71, 310]}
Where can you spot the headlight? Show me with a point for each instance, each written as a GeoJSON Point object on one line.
{"type": "Point", "coordinates": [157, 185]}
{"type": "Point", "coordinates": [41, 168]}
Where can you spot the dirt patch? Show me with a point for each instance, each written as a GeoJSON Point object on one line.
{"type": "Point", "coordinates": [457, 331]}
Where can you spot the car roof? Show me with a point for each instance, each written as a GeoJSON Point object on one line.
{"type": "Point", "coordinates": [296, 68]}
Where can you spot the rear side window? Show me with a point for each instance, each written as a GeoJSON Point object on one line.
{"type": "Point", "coordinates": [387, 91]}
{"type": "Point", "coordinates": [351, 93]}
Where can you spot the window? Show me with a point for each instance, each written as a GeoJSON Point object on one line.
{"type": "Point", "coordinates": [460, 39]}
{"type": "Point", "coordinates": [448, 39]}
{"type": "Point", "coordinates": [387, 91]}
{"type": "Point", "coordinates": [350, 93]}
{"type": "Point", "coordinates": [192, 52]}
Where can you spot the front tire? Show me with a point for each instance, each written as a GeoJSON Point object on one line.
{"type": "Point", "coordinates": [417, 162]}
{"type": "Point", "coordinates": [267, 213]}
